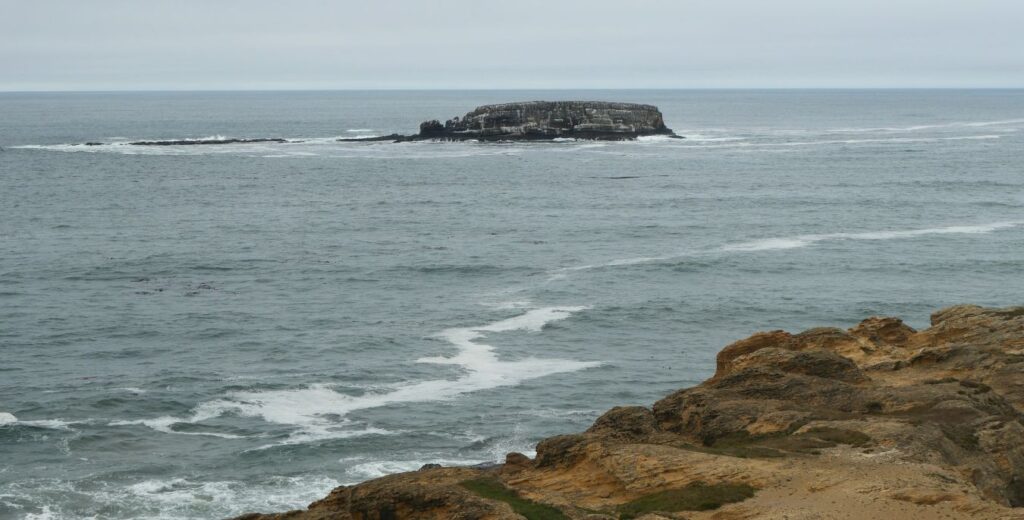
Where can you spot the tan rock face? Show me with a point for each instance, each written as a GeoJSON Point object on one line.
{"type": "Point", "coordinates": [880, 421]}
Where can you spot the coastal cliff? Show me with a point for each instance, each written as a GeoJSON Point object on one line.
{"type": "Point", "coordinates": [877, 421]}
{"type": "Point", "coordinates": [544, 120]}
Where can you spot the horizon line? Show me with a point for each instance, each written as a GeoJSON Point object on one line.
{"type": "Point", "coordinates": [453, 89]}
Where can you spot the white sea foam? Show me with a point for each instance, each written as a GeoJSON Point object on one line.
{"type": "Point", "coordinates": [45, 513]}
{"type": "Point", "coordinates": [51, 424]}
{"type": "Point", "coordinates": [896, 140]}
{"type": "Point", "coordinates": [168, 499]}
{"type": "Point", "coordinates": [563, 272]}
{"type": "Point", "coordinates": [993, 123]}
{"type": "Point", "coordinates": [806, 240]}
{"type": "Point", "coordinates": [315, 410]}
{"type": "Point", "coordinates": [916, 128]}
{"type": "Point", "coordinates": [637, 260]}
{"type": "Point", "coordinates": [559, 274]}
{"type": "Point", "coordinates": [694, 139]}
{"type": "Point", "coordinates": [795, 242]}
{"type": "Point", "coordinates": [653, 138]}
{"type": "Point", "coordinates": [323, 432]}
{"type": "Point", "coordinates": [973, 137]}
{"type": "Point", "coordinates": [180, 498]}
{"type": "Point", "coordinates": [772, 243]}
{"type": "Point", "coordinates": [888, 235]}
{"type": "Point", "coordinates": [378, 468]}
{"type": "Point", "coordinates": [764, 146]}
{"type": "Point", "coordinates": [165, 424]}
{"type": "Point", "coordinates": [701, 138]}
{"type": "Point", "coordinates": [358, 469]}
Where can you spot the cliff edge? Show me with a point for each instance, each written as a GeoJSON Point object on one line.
{"type": "Point", "coordinates": [877, 421]}
{"type": "Point", "coordinates": [543, 120]}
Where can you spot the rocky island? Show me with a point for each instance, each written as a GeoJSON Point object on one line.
{"type": "Point", "coordinates": [877, 421]}
{"type": "Point", "coordinates": [527, 121]}
{"type": "Point", "coordinates": [543, 120]}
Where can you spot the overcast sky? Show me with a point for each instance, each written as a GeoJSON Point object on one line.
{"type": "Point", "coordinates": [303, 44]}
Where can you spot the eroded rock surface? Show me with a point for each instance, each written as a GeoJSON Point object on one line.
{"type": "Point", "coordinates": [543, 120]}
{"type": "Point", "coordinates": [878, 421]}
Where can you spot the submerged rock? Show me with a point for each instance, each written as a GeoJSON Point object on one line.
{"type": "Point", "coordinates": [543, 120]}
{"type": "Point", "coordinates": [878, 421]}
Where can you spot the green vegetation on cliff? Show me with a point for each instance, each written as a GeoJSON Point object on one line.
{"type": "Point", "coordinates": [494, 490]}
{"type": "Point", "coordinates": [697, 496]}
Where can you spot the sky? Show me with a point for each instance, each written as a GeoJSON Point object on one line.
{"type": "Point", "coordinates": [498, 44]}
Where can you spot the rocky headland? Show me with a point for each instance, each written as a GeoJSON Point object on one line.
{"type": "Point", "coordinates": [877, 421]}
{"type": "Point", "coordinates": [543, 120]}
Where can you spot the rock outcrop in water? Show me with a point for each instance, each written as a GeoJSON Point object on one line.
{"type": "Point", "coordinates": [543, 120]}
{"type": "Point", "coordinates": [199, 142]}
{"type": "Point", "coordinates": [877, 421]}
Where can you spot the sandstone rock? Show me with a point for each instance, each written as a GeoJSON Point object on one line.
{"type": "Point", "coordinates": [626, 423]}
{"type": "Point", "coordinates": [883, 330]}
{"type": "Point", "coordinates": [760, 340]}
{"type": "Point", "coordinates": [517, 460]}
{"type": "Point", "coordinates": [561, 450]}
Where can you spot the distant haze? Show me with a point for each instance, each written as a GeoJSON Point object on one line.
{"type": "Point", "coordinates": [477, 44]}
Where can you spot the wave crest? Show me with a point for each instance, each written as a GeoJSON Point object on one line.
{"type": "Point", "coordinates": [315, 409]}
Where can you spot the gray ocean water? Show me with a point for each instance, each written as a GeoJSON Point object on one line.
{"type": "Point", "coordinates": [201, 331]}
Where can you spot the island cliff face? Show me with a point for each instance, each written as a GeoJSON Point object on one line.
{"type": "Point", "coordinates": [877, 421]}
{"type": "Point", "coordinates": [544, 120]}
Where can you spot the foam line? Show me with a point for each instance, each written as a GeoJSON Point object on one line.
{"type": "Point", "coordinates": [163, 424]}
{"type": "Point", "coordinates": [772, 243]}
{"type": "Point", "coordinates": [796, 242]}
{"type": "Point", "coordinates": [315, 410]}
{"type": "Point", "coordinates": [49, 424]}
{"type": "Point", "coordinates": [161, 499]}
{"type": "Point", "coordinates": [807, 240]}
{"type": "Point", "coordinates": [916, 128]}
{"type": "Point", "coordinates": [830, 142]}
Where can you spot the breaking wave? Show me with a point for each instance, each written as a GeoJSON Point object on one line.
{"type": "Point", "coordinates": [165, 499]}
{"type": "Point", "coordinates": [318, 411]}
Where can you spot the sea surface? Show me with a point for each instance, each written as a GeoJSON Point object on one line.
{"type": "Point", "coordinates": [202, 331]}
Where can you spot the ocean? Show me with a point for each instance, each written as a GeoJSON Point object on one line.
{"type": "Point", "coordinates": [202, 331]}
